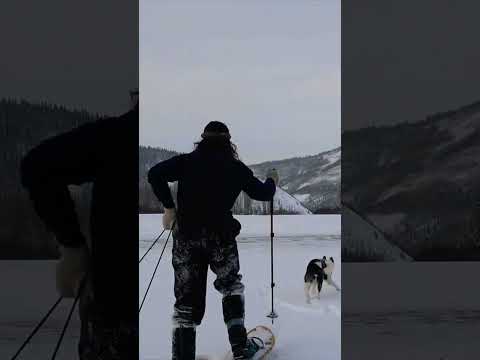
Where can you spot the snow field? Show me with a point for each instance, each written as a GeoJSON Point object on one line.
{"type": "Point", "coordinates": [254, 226]}
{"type": "Point", "coordinates": [302, 331]}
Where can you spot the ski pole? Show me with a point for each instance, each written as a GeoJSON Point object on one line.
{"type": "Point", "coordinates": [272, 314]}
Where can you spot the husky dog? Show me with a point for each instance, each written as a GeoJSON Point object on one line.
{"type": "Point", "coordinates": [317, 272]}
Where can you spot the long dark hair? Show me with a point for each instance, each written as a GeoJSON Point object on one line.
{"type": "Point", "coordinates": [217, 145]}
{"type": "Point", "coordinates": [216, 140]}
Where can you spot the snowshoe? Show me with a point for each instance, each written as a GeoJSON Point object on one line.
{"type": "Point", "coordinates": [259, 344]}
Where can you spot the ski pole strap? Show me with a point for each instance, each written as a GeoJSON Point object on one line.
{"type": "Point", "coordinates": [67, 321]}
{"type": "Point", "coordinates": [151, 246]}
{"type": "Point", "coordinates": [156, 267]}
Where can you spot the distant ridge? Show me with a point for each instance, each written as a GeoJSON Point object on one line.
{"type": "Point", "coordinates": [149, 156]}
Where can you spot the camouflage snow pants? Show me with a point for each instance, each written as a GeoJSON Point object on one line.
{"type": "Point", "coordinates": [192, 255]}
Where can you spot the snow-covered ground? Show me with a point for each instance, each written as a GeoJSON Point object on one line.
{"type": "Point", "coordinates": [300, 328]}
{"type": "Point", "coordinates": [410, 310]}
{"type": "Point", "coordinates": [424, 311]}
{"type": "Point", "coordinates": [28, 291]}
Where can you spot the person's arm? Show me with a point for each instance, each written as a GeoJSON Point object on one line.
{"type": "Point", "coordinates": [48, 169]}
{"type": "Point", "coordinates": [161, 174]}
{"type": "Point", "coordinates": [257, 190]}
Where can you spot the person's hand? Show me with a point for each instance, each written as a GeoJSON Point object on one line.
{"type": "Point", "coordinates": [71, 269]}
{"type": "Point", "coordinates": [168, 219]}
{"type": "Point", "coordinates": [273, 174]}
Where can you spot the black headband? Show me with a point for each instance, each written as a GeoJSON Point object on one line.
{"type": "Point", "coordinates": [208, 134]}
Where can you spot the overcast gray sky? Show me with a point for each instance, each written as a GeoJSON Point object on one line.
{"type": "Point", "coordinates": [270, 70]}
{"type": "Point", "coordinates": [80, 54]}
{"type": "Point", "coordinates": [404, 60]}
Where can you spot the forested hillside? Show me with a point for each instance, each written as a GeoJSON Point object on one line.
{"type": "Point", "coordinates": [419, 182]}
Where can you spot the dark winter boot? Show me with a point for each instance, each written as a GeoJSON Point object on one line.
{"type": "Point", "coordinates": [233, 315]}
{"type": "Point", "coordinates": [251, 348]}
{"type": "Point", "coordinates": [183, 343]}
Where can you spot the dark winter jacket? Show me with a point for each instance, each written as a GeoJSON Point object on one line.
{"type": "Point", "coordinates": [208, 185]}
{"type": "Point", "coordinates": [104, 153]}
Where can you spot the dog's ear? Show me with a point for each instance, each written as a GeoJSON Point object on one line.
{"type": "Point", "coordinates": [331, 258]}
{"type": "Point", "coordinates": [324, 258]}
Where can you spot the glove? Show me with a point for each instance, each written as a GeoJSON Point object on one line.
{"type": "Point", "coordinates": [273, 174]}
{"type": "Point", "coordinates": [71, 269]}
{"type": "Point", "coordinates": [236, 227]}
{"type": "Point", "coordinates": [169, 217]}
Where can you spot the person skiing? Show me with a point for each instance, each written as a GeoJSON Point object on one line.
{"type": "Point", "coordinates": [104, 272]}
{"type": "Point", "coordinates": [210, 178]}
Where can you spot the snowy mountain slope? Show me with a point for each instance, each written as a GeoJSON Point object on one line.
{"type": "Point", "coordinates": [429, 172]}
{"type": "Point", "coordinates": [282, 203]}
{"type": "Point", "coordinates": [284, 200]}
{"type": "Point", "coordinates": [314, 180]}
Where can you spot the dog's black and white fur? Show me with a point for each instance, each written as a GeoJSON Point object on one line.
{"type": "Point", "coordinates": [317, 272]}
